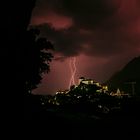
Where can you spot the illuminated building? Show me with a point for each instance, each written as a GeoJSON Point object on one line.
{"type": "Point", "coordinates": [84, 81]}
{"type": "Point", "coordinates": [104, 89]}
{"type": "Point", "coordinates": [83, 84]}
{"type": "Point", "coordinates": [87, 81]}
{"type": "Point", "coordinates": [118, 93]}
{"type": "Point", "coordinates": [62, 92]}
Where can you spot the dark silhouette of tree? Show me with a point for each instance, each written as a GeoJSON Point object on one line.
{"type": "Point", "coordinates": [14, 26]}
{"type": "Point", "coordinates": [37, 58]}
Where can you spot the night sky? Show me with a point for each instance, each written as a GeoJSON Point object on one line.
{"type": "Point", "coordinates": [103, 35]}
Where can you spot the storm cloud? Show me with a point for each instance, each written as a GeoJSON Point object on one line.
{"type": "Point", "coordinates": [93, 27]}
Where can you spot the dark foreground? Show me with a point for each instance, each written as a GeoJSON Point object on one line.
{"type": "Point", "coordinates": [125, 122]}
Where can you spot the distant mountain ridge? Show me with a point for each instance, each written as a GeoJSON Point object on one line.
{"type": "Point", "coordinates": [123, 79]}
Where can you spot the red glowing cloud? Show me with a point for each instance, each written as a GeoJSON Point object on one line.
{"type": "Point", "coordinates": [56, 21]}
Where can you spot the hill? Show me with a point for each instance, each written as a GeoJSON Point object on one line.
{"type": "Point", "coordinates": [123, 79]}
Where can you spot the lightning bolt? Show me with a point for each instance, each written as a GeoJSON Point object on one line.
{"type": "Point", "coordinates": [73, 69]}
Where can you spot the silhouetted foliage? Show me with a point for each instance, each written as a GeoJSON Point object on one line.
{"type": "Point", "coordinates": [37, 58]}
